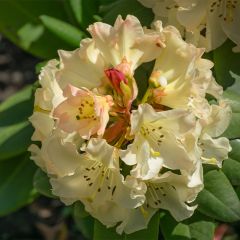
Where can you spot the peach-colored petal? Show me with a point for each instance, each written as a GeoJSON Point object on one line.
{"type": "Point", "coordinates": [83, 112]}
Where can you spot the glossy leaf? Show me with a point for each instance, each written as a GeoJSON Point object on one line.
{"type": "Point", "coordinates": [233, 99]}
{"type": "Point", "coordinates": [84, 11]}
{"type": "Point", "coordinates": [236, 86]}
{"type": "Point", "coordinates": [232, 96]}
{"type": "Point", "coordinates": [15, 130]}
{"type": "Point", "coordinates": [41, 183]}
{"type": "Point", "coordinates": [63, 30]}
{"type": "Point", "coordinates": [19, 21]}
{"type": "Point", "coordinates": [16, 188]}
{"type": "Point", "coordinates": [142, 75]}
{"type": "Point", "coordinates": [222, 67]}
{"type": "Point", "coordinates": [20, 105]}
{"type": "Point", "coordinates": [233, 130]}
{"type": "Point", "coordinates": [231, 166]}
{"type": "Point", "coordinates": [29, 33]}
{"type": "Point", "coordinates": [122, 7]}
{"type": "Point", "coordinates": [197, 227]}
{"type": "Point", "coordinates": [101, 232]}
{"type": "Point", "coordinates": [79, 210]}
{"type": "Point", "coordinates": [15, 139]}
{"type": "Point", "coordinates": [235, 153]}
{"type": "Point", "coordinates": [151, 233]}
{"type": "Point", "coordinates": [83, 221]}
{"type": "Point", "coordinates": [218, 198]}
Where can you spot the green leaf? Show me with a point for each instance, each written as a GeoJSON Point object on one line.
{"type": "Point", "coordinates": [18, 18]}
{"type": "Point", "coordinates": [197, 227]}
{"type": "Point", "coordinates": [39, 66]}
{"type": "Point", "coordinates": [16, 189]}
{"type": "Point", "coordinates": [218, 199]}
{"type": "Point", "coordinates": [122, 7]}
{"type": "Point", "coordinates": [236, 86]}
{"type": "Point", "coordinates": [233, 130]}
{"type": "Point", "coordinates": [231, 168]}
{"type": "Point", "coordinates": [15, 130]}
{"type": "Point", "coordinates": [15, 139]}
{"type": "Point", "coordinates": [222, 67]}
{"type": "Point", "coordinates": [41, 183]}
{"type": "Point", "coordinates": [202, 230]}
{"type": "Point", "coordinates": [142, 75]}
{"type": "Point", "coordinates": [84, 11]}
{"type": "Point", "coordinates": [63, 30]}
{"type": "Point", "coordinates": [101, 232]}
{"type": "Point", "coordinates": [86, 226]}
{"type": "Point", "coordinates": [238, 191]}
{"type": "Point", "coordinates": [151, 233]}
{"type": "Point", "coordinates": [232, 94]}
{"type": "Point", "coordinates": [17, 108]}
{"type": "Point", "coordinates": [83, 221]}
{"type": "Point", "coordinates": [233, 99]}
{"type": "Point", "coordinates": [235, 153]}
{"type": "Point", "coordinates": [29, 33]}
{"type": "Point", "coordinates": [79, 210]}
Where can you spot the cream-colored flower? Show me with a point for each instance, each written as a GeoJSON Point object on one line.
{"type": "Point", "coordinates": [58, 155]}
{"type": "Point", "coordinates": [215, 149]}
{"type": "Point", "coordinates": [181, 78]}
{"type": "Point", "coordinates": [43, 124]}
{"type": "Point", "coordinates": [83, 111]}
{"type": "Point", "coordinates": [206, 23]}
{"type": "Point", "coordinates": [157, 141]}
{"type": "Point", "coordinates": [46, 98]}
{"type": "Point", "coordinates": [50, 94]}
{"type": "Point", "coordinates": [168, 191]}
{"type": "Point", "coordinates": [112, 51]}
{"type": "Point", "coordinates": [98, 179]}
{"type": "Point", "coordinates": [122, 157]}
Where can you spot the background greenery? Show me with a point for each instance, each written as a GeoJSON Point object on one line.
{"type": "Point", "coordinates": [43, 27]}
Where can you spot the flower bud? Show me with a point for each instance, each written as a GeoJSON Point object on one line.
{"type": "Point", "coordinates": [116, 77]}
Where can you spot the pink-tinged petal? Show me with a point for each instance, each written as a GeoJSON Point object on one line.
{"type": "Point", "coordinates": [83, 112]}
{"type": "Point", "coordinates": [78, 66]}
{"type": "Point", "coordinates": [124, 40]}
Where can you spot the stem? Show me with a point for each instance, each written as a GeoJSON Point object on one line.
{"type": "Point", "coordinates": [146, 95]}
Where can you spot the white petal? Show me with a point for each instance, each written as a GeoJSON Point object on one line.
{"type": "Point", "coordinates": [78, 66]}
{"type": "Point", "coordinates": [135, 220]}
{"type": "Point", "coordinates": [218, 120]}
{"type": "Point", "coordinates": [214, 150]}
{"type": "Point", "coordinates": [191, 16]}
{"type": "Point", "coordinates": [50, 94]}
{"type": "Point", "coordinates": [149, 163]}
{"type": "Point", "coordinates": [125, 40]}
{"type": "Point", "coordinates": [231, 27]}
{"type": "Point", "coordinates": [59, 158]}
{"type": "Point", "coordinates": [215, 35]}
{"type": "Point", "coordinates": [172, 193]}
{"type": "Point", "coordinates": [43, 124]}
{"type": "Point", "coordinates": [105, 153]}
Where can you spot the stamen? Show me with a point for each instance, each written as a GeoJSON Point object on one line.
{"type": "Point", "coordinates": [162, 81]}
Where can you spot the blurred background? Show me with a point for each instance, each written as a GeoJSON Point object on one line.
{"type": "Point", "coordinates": [31, 32]}
{"type": "Point", "coordinates": [44, 218]}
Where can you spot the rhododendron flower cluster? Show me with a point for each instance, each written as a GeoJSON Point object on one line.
{"type": "Point", "coordinates": [206, 23]}
{"type": "Point", "coordinates": [125, 155]}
